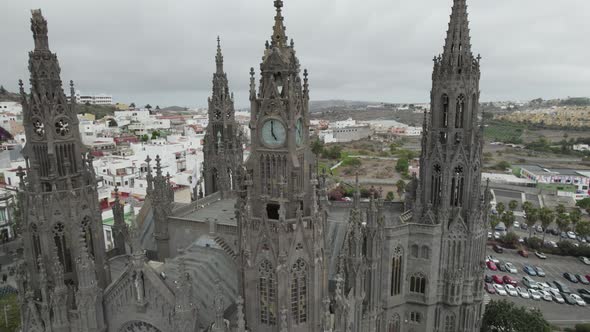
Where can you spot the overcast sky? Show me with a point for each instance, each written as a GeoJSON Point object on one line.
{"type": "Point", "coordinates": [162, 52]}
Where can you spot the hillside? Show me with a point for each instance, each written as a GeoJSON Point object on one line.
{"type": "Point", "coordinates": [6, 95]}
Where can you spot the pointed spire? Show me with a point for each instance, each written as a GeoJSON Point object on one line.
{"type": "Point", "coordinates": [458, 43]}
{"type": "Point", "coordinates": [39, 28]}
{"type": "Point", "coordinates": [279, 38]}
{"type": "Point", "coordinates": [219, 57]}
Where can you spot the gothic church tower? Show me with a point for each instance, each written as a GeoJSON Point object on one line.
{"type": "Point", "coordinates": [282, 267]}
{"type": "Point", "coordinates": [223, 154]}
{"type": "Point", "coordinates": [449, 191]}
{"type": "Point", "coordinates": [61, 284]}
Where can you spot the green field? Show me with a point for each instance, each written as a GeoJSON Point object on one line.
{"type": "Point", "coordinates": [503, 131]}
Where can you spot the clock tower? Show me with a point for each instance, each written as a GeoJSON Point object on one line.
{"type": "Point", "coordinates": [283, 275]}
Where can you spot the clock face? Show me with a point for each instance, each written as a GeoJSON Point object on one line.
{"type": "Point", "coordinates": [274, 133]}
{"type": "Point", "coordinates": [299, 132]}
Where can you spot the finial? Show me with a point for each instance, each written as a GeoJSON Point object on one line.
{"type": "Point", "coordinates": [267, 45]}
{"type": "Point", "coordinates": [21, 87]}
{"type": "Point", "coordinates": [292, 43]}
{"type": "Point", "coordinates": [279, 39]}
{"type": "Point", "coordinates": [148, 159]}
{"type": "Point", "coordinates": [72, 90]}
{"type": "Point", "coordinates": [218, 42]}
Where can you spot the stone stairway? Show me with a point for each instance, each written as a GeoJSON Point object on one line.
{"type": "Point", "coordinates": [228, 250]}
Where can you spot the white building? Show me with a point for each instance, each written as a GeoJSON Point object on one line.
{"type": "Point", "coordinates": [10, 107]}
{"type": "Point", "coordinates": [99, 99]}
{"type": "Point", "coordinates": [343, 124]}
{"type": "Point", "coordinates": [581, 147]}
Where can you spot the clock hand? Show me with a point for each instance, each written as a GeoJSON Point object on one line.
{"type": "Point", "coordinates": [272, 130]}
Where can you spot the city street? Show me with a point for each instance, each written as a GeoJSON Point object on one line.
{"type": "Point", "coordinates": [554, 267]}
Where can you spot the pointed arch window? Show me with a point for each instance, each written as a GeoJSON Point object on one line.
{"type": "Point", "coordinates": [435, 192]}
{"type": "Point", "coordinates": [267, 293]}
{"type": "Point", "coordinates": [299, 291]}
{"type": "Point", "coordinates": [445, 111]}
{"type": "Point", "coordinates": [459, 114]}
{"type": "Point", "coordinates": [450, 323]}
{"type": "Point", "coordinates": [396, 271]}
{"type": "Point", "coordinates": [394, 324]}
{"type": "Point", "coordinates": [63, 250]}
{"type": "Point", "coordinates": [418, 283]}
{"type": "Point", "coordinates": [87, 234]}
{"type": "Point", "coordinates": [457, 186]}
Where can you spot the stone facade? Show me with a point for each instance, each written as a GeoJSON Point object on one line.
{"type": "Point", "coordinates": [264, 250]}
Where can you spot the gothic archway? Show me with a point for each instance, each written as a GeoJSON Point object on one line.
{"type": "Point", "coordinates": [138, 326]}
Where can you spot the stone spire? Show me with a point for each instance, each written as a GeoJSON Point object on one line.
{"type": "Point", "coordinates": [219, 58]}
{"type": "Point", "coordinates": [160, 193]}
{"type": "Point", "coordinates": [120, 231]}
{"type": "Point", "coordinates": [458, 40]}
{"type": "Point", "coordinates": [279, 38]}
{"type": "Point", "coordinates": [185, 309]}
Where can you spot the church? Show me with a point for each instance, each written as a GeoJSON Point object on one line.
{"type": "Point", "coordinates": [261, 249]}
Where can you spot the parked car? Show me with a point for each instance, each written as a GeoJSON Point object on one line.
{"type": "Point", "coordinates": [491, 266]}
{"type": "Point", "coordinates": [497, 279]}
{"type": "Point", "coordinates": [578, 299]}
{"type": "Point", "coordinates": [539, 271]}
{"type": "Point", "coordinates": [516, 224]}
{"type": "Point", "coordinates": [489, 288]}
{"type": "Point", "coordinates": [497, 248]}
{"type": "Point", "coordinates": [543, 285]}
{"type": "Point", "coordinates": [493, 259]}
{"type": "Point", "coordinates": [569, 299]}
{"type": "Point", "coordinates": [554, 231]}
{"type": "Point", "coordinates": [535, 294]}
{"type": "Point", "coordinates": [529, 270]}
{"type": "Point", "coordinates": [587, 277]}
{"type": "Point", "coordinates": [529, 282]}
{"type": "Point", "coordinates": [523, 292]}
{"type": "Point", "coordinates": [510, 267]}
{"type": "Point", "coordinates": [539, 254]}
{"type": "Point", "coordinates": [570, 277]}
{"type": "Point", "coordinates": [585, 260]}
{"type": "Point", "coordinates": [500, 290]}
{"type": "Point", "coordinates": [584, 294]}
{"type": "Point", "coordinates": [571, 235]}
{"type": "Point", "coordinates": [489, 235]}
{"type": "Point", "coordinates": [502, 267]}
{"type": "Point", "coordinates": [497, 235]}
{"type": "Point", "coordinates": [551, 244]}
{"type": "Point", "coordinates": [487, 278]}
{"type": "Point", "coordinates": [582, 280]}
{"type": "Point", "coordinates": [557, 297]}
{"type": "Point", "coordinates": [561, 286]}
{"type": "Point", "coordinates": [563, 235]}
{"type": "Point", "coordinates": [511, 290]}
{"type": "Point", "coordinates": [546, 295]}
{"type": "Point", "coordinates": [509, 281]}
{"type": "Point", "coordinates": [523, 253]}
{"type": "Point", "coordinates": [524, 226]}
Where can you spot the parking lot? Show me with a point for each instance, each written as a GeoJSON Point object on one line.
{"type": "Point", "coordinates": [554, 267]}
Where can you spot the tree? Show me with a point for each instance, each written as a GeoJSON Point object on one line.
{"type": "Point", "coordinates": [584, 204]}
{"type": "Point", "coordinates": [390, 196]}
{"type": "Point", "coordinates": [132, 105]}
{"type": "Point", "coordinates": [507, 317]}
{"type": "Point", "coordinates": [532, 216]}
{"type": "Point", "coordinates": [401, 188]}
{"type": "Point", "coordinates": [2, 90]}
{"type": "Point", "coordinates": [510, 240]}
{"type": "Point", "coordinates": [402, 165]}
{"type": "Point", "coordinates": [500, 208]}
{"type": "Point", "coordinates": [563, 221]}
{"type": "Point", "coordinates": [583, 228]}
{"type": "Point", "coordinates": [508, 219]}
{"type": "Point", "coordinates": [156, 134]}
{"type": "Point", "coordinates": [560, 209]}
{"type": "Point", "coordinates": [494, 221]}
{"type": "Point", "coordinates": [145, 138]}
{"type": "Point", "coordinates": [512, 205]}
{"type": "Point", "coordinates": [148, 107]}
{"type": "Point", "coordinates": [317, 147]}
{"type": "Point", "coordinates": [575, 216]}
{"type": "Point", "coordinates": [546, 216]}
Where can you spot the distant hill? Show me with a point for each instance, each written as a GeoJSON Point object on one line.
{"type": "Point", "coordinates": [6, 95]}
{"type": "Point", "coordinates": [320, 105]}
{"type": "Point", "coordinates": [99, 111]}
{"type": "Point", "coordinates": [174, 109]}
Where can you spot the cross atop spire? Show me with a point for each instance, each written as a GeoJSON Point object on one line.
{"type": "Point", "coordinates": [219, 57]}
{"type": "Point", "coordinates": [279, 38]}
{"type": "Point", "coordinates": [458, 42]}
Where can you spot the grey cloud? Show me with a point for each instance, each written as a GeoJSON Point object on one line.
{"type": "Point", "coordinates": [162, 52]}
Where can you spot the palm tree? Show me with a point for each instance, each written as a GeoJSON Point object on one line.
{"type": "Point", "coordinates": [500, 208]}
{"type": "Point", "coordinates": [532, 216]}
{"type": "Point", "coordinates": [508, 219]}
{"type": "Point", "coordinates": [575, 216]}
{"type": "Point", "coordinates": [512, 205]}
{"type": "Point", "coordinates": [546, 216]}
{"type": "Point", "coordinates": [562, 221]}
